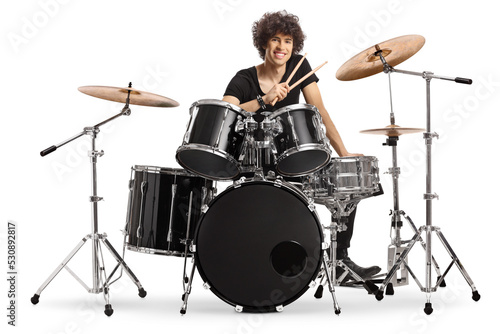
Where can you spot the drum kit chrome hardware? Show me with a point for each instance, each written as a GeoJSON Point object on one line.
{"type": "Point", "coordinates": [383, 57]}
{"type": "Point", "coordinates": [280, 166]}
{"type": "Point", "coordinates": [101, 281]}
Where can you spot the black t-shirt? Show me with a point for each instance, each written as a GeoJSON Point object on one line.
{"type": "Point", "coordinates": [245, 84]}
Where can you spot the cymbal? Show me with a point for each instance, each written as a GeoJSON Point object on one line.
{"type": "Point", "coordinates": [137, 97]}
{"type": "Point", "coordinates": [392, 131]}
{"type": "Point", "coordinates": [367, 63]}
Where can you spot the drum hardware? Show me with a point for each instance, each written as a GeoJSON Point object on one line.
{"type": "Point", "coordinates": [340, 210]}
{"type": "Point", "coordinates": [100, 281]}
{"type": "Point", "coordinates": [187, 280]}
{"type": "Point", "coordinates": [366, 63]}
{"type": "Point", "coordinates": [174, 191]}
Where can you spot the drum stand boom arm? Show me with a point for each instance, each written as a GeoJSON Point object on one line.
{"type": "Point", "coordinates": [100, 281]}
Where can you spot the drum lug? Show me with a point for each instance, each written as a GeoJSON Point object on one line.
{"type": "Point", "coordinates": [324, 245]}
{"type": "Point", "coordinates": [278, 182]}
{"type": "Point", "coordinates": [311, 205]}
{"type": "Point", "coordinates": [204, 208]}
{"type": "Point", "coordinates": [238, 308]}
{"type": "Point", "coordinates": [192, 248]}
{"type": "Point", "coordinates": [279, 308]}
{"type": "Point", "coordinates": [206, 286]}
{"type": "Point", "coordinates": [238, 183]}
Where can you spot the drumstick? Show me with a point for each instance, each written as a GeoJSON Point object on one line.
{"type": "Point", "coordinates": [273, 102]}
{"type": "Point", "coordinates": [307, 75]}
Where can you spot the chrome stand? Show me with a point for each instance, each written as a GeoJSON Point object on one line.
{"type": "Point", "coordinates": [428, 197]}
{"type": "Point", "coordinates": [340, 210]}
{"type": "Point", "coordinates": [100, 281]}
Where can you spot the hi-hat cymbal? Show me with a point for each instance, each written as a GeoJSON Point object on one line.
{"type": "Point", "coordinates": [367, 63]}
{"type": "Point", "coordinates": [137, 97]}
{"type": "Point", "coordinates": [392, 131]}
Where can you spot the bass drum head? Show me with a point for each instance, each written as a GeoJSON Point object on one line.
{"type": "Point", "coordinates": [259, 245]}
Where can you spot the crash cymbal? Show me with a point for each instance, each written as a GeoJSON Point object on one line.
{"type": "Point", "coordinates": [367, 63]}
{"type": "Point", "coordinates": [392, 131]}
{"type": "Point", "coordinates": [137, 97]}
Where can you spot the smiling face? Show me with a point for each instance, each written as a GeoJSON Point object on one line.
{"type": "Point", "coordinates": [279, 49]}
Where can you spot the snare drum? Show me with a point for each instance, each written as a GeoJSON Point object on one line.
{"type": "Point", "coordinates": [259, 245]}
{"type": "Point", "coordinates": [301, 143]}
{"type": "Point", "coordinates": [163, 203]}
{"type": "Point", "coordinates": [213, 141]}
{"type": "Point", "coordinates": [344, 176]}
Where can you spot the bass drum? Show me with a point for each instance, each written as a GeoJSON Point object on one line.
{"type": "Point", "coordinates": [259, 245]}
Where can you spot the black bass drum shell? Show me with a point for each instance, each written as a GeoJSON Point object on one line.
{"type": "Point", "coordinates": [259, 245]}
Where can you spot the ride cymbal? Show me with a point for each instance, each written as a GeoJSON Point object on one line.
{"type": "Point", "coordinates": [367, 62]}
{"type": "Point", "coordinates": [137, 97]}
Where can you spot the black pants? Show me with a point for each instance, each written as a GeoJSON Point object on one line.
{"type": "Point", "coordinates": [344, 237]}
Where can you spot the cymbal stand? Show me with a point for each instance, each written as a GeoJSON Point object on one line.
{"type": "Point", "coordinates": [397, 244]}
{"type": "Point", "coordinates": [100, 281]}
{"type": "Point", "coordinates": [428, 229]}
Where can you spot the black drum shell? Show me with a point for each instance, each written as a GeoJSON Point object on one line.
{"type": "Point", "coordinates": [300, 146]}
{"type": "Point", "coordinates": [157, 208]}
{"type": "Point", "coordinates": [212, 142]}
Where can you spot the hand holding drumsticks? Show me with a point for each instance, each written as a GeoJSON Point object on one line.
{"type": "Point", "coordinates": [301, 79]}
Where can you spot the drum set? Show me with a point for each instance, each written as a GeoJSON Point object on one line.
{"type": "Point", "coordinates": [259, 245]}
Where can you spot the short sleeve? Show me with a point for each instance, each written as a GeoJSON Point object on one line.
{"type": "Point", "coordinates": [304, 69]}
{"type": "Point", "coordinates": [238, 87]}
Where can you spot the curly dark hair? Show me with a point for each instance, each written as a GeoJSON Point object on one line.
{"type": "Point", "coordinates": [279, 22]}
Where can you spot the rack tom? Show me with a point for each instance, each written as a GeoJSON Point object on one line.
{"type": "Point", "coordinates": [300, 141]}
{"type": "Point", "coordinates": [213, 141]}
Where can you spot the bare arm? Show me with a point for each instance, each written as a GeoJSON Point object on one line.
{"type": "Point", "coordinates": [312, 96]}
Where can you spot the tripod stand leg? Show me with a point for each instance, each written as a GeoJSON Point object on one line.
{"type": "Point", "coordinates": [118, 258]}
{"type": "Point", "coordinates": [336, 306]}
{"type": "Point", "coordinates": [379, 295]}
{"type": "Point", "coordinates": [187, 290]}
{"type": "Point", "coordinates": [36, 296]}
{"type": "Point", "coordinates": [475, 294]}
{"type": "Point", "coordinates": [422, 242]}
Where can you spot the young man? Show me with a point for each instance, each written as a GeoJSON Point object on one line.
{"type": "Point", "coordinates": [279, 38]}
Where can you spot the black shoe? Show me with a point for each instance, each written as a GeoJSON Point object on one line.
{"type": "Point", "coordinates": [364, 273]}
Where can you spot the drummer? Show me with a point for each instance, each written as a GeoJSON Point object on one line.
{"type": "Point", "coordinates": [279, 38]}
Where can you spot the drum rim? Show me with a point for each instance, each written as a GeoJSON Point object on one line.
{"type": "Point", "coordinates": [360, 157]}
{"type": "Point", "coordinates": [163, 170]}
{"type": "Point", "coordinates": [298, 194]}
{"type": "Point", "coordinates": [221, 103]}
{"type": "Point", "coordinates": [293, 107]}
{"type": "Point", "coordinates": [215, 151]}
{"type": "Point", "coordinates": [156, 251]}
{"type": "Point", "coordinates": [305, 147]}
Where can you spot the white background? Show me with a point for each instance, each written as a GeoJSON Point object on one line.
{"type": "Point", "coordinates": [189, 50]}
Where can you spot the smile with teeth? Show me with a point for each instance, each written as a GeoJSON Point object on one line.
{"type": "Point", "coordinates": [279, 55]}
